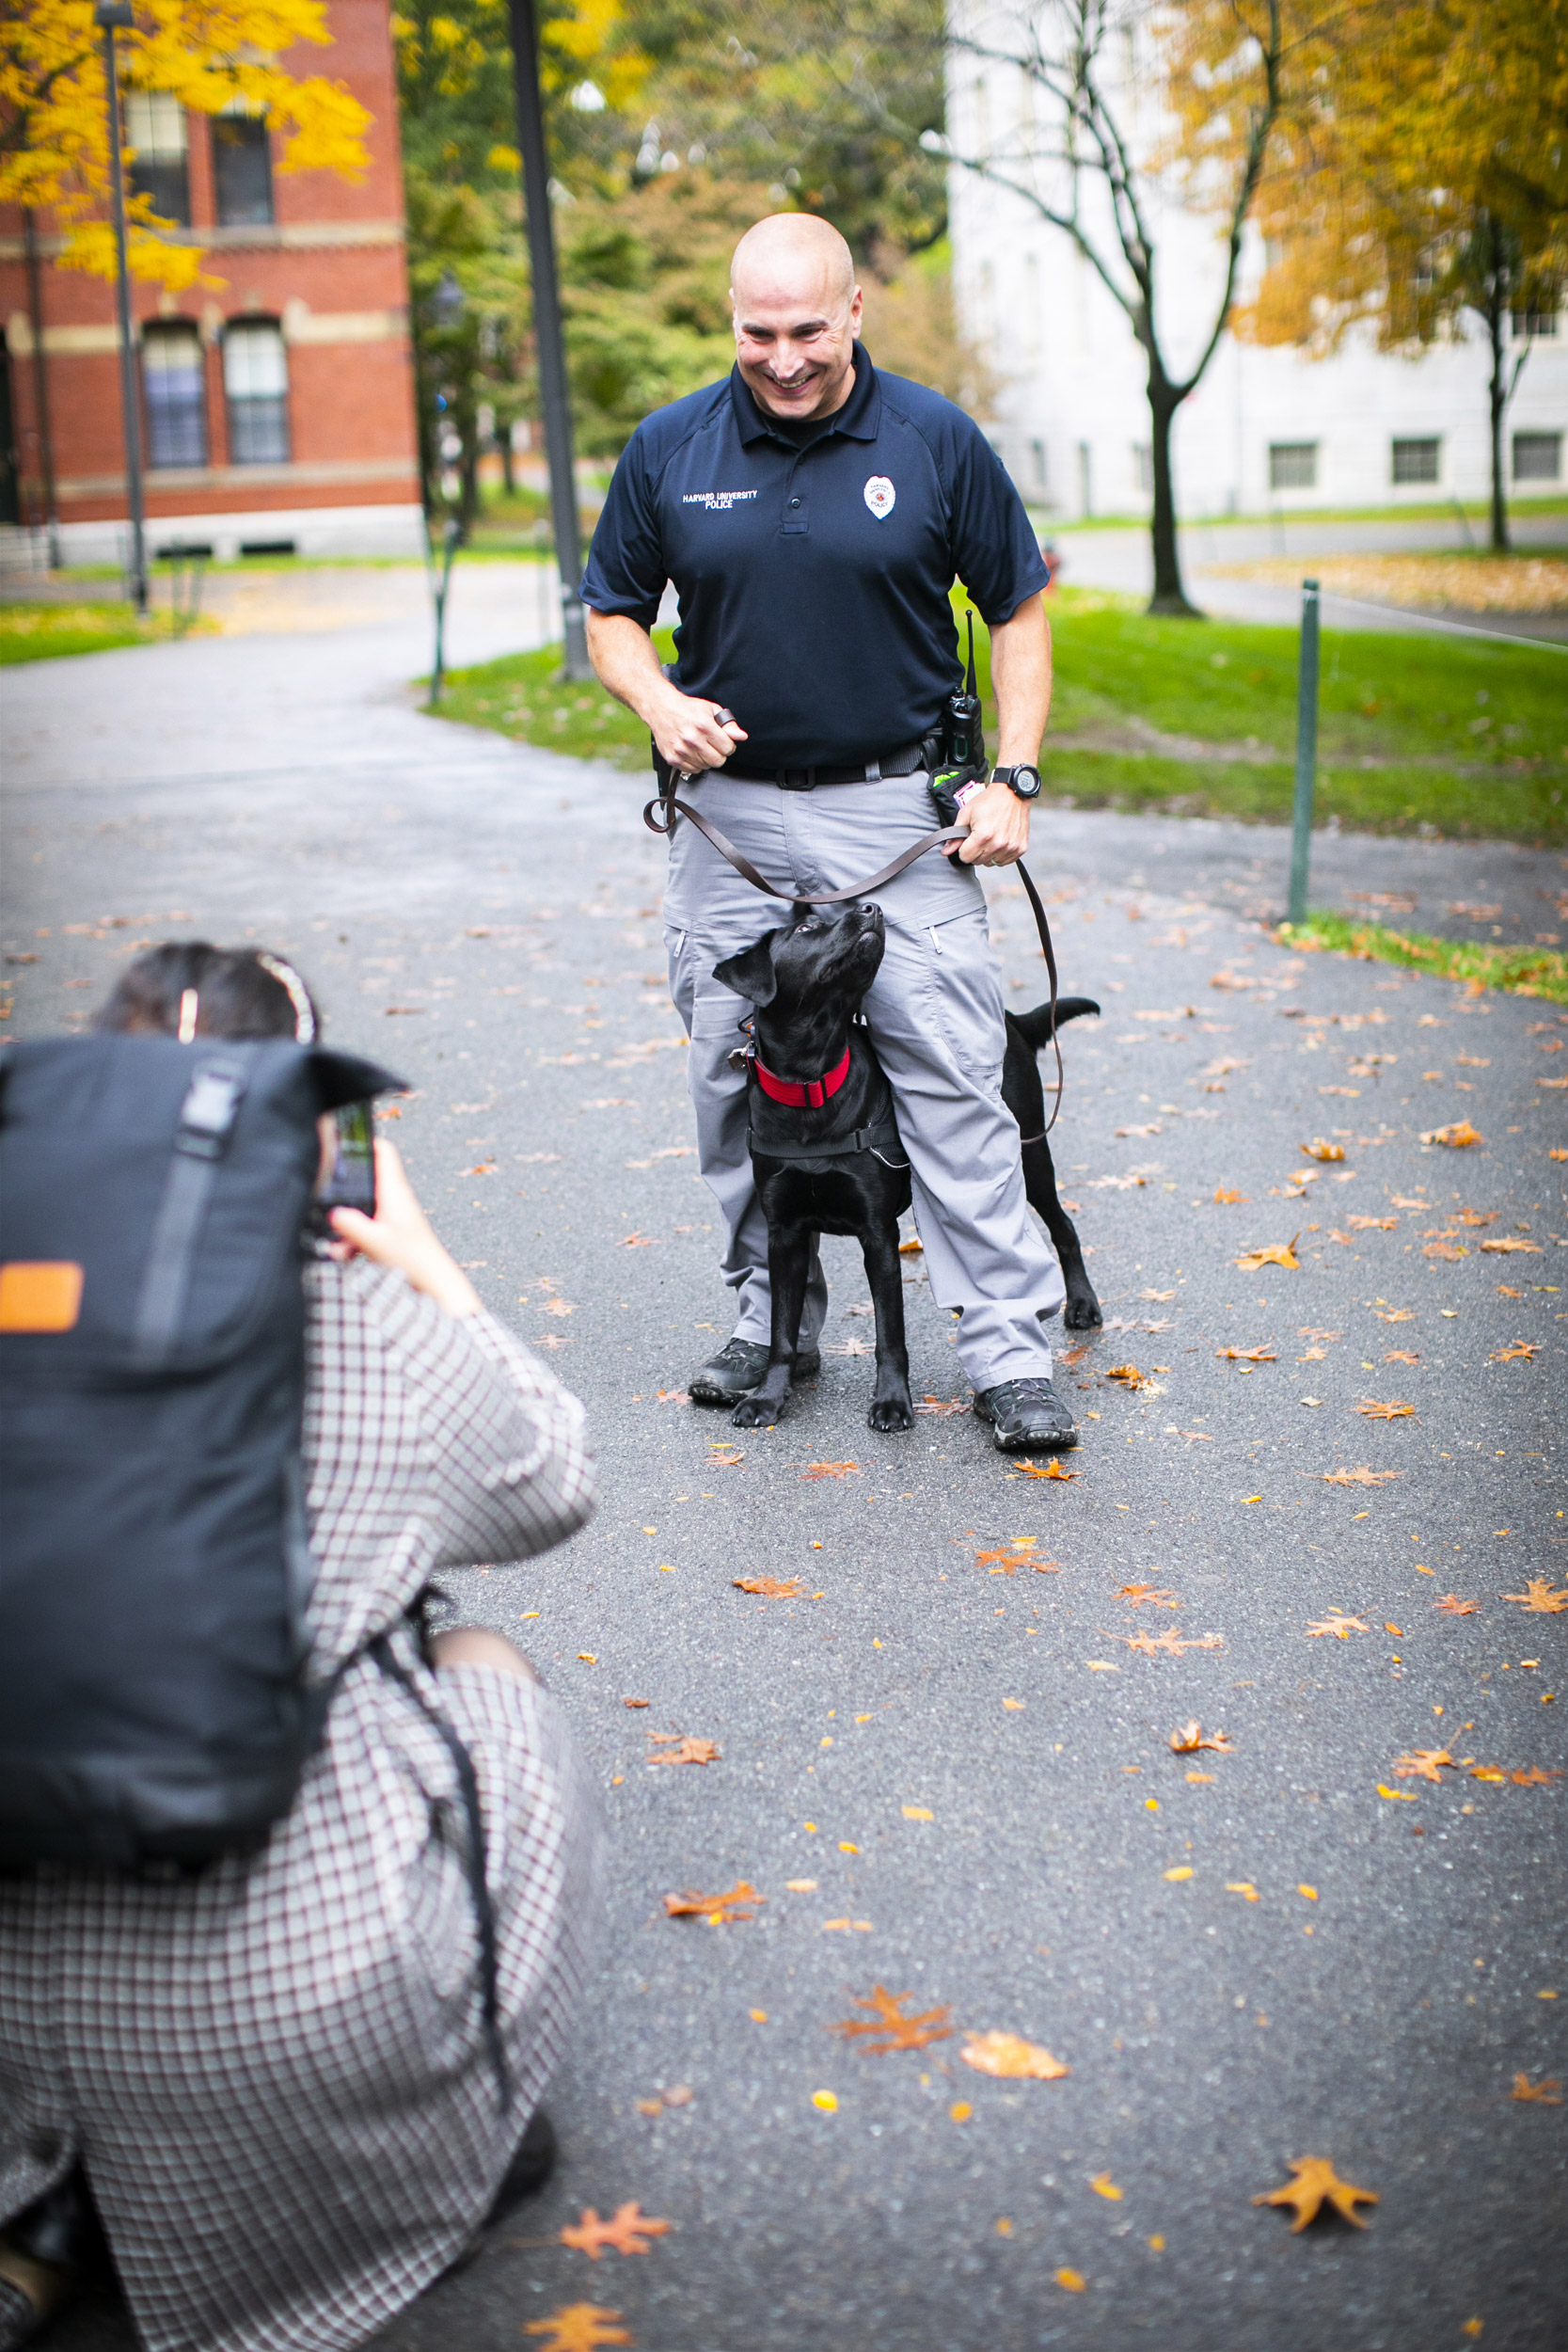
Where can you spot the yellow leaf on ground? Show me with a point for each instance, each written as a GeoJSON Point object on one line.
{"type": "Point", "coordinates": [1103, 2185]}
{"type": "Point", "coordinates": [826, 2100]}
{"type": "Point", "coordinates": [1547, 2091]}
{"type": "Point", "coordinates": [1538, 1598]}
{"type": "Point", "coordinates": [1456, 1138]}
{"type": "Point", "coordinates": [1321, 1150]}
{"type": "Point", "coordinates": [1074, 2280]}
{"type": "Point", "coordinates": [734, 1905]}
{"type": "Point", "coordinates": [1242, 1887]}
{"type": "Point", "coordinates": [1315, 2184]}
{"type": "Point", "coordinates": [1403, 1796]}
{"type": "Point", "coordinates": [918, 1813]}
{"type": "Point", "coordinates": [1281, 1253]}
{"type": "Point", "coordinates": [1183, 1870]}
{"type": "Point", "coordinates": [1009, 2056]}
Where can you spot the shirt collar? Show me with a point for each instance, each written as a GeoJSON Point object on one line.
{"type": "Point", "coordinates": [858, 419]}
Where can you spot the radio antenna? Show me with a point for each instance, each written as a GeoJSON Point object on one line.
{"type": "Point", "coordinates": [968, 681]}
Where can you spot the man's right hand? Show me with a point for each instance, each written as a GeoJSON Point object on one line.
{"type": "Point", "coordinates": [692, 734]}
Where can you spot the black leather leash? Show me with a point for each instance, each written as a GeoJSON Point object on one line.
{"type": "Point", "coordinates": [671, 806]}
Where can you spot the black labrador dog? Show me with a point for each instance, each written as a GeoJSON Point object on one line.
{"type": "Point", "coordinates": [824, 1139]}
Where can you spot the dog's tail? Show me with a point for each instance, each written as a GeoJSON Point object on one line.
{"type": "Point", "coordinates": [1035, 1028]}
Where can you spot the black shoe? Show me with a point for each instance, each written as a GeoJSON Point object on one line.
{"type": "Point", "coordinates": [739, 1367]}
{"type": "Point", "coordinates": [530, 2169]}
{"type": "Point", "coordinates": [1027, 1417]}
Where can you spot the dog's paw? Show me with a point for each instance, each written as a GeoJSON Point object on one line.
{"type": "Point", "coordinates": [889, 1414]}
{"type": "Point", "coordinates": [754, 1413]}
{"type": "Point", "coordinates": [1083, 1314]}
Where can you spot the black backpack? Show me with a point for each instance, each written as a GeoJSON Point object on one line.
{"type": "Point", "coordinates": [154, 1571]}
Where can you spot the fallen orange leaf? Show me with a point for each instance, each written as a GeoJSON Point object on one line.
{"type": "Point", "coordinates": [1008, 2055]}
{"type": "Point", "coordinates": [1319, 1149]}
{"type": "Point", "coordinates": [1522, 1351]}
{"type": "Point", "coordinates": [1052, 1470]}
{"type": "Point", "coordinates": [1451, 1606]}
{"type": "Point", "coordinates": [1103, 2185]}
{"type": "Point", "coordinates": [1509, 1246]}
{"type": "Point", "coordinates": [1423, 1765]}
{"type": "Point", "coordinates": [1158, 1595]}
{"type": "Point", "coordinates": [715, 1907]}
{"type": "Point", "coordinates": [1359, 1477]}
{"type": "Point", "coordinates": [686, 1751]}
{"type": "Point", "coordinates": [829, 1470]}
{"type": "Point", "coordinates": [1170, 1644]}
{"type": "Point", "coordinates": [1547, 2091]}
{"type": "Point", "coordinates": [1393, 1411]}
{"type": "Point", "coordinates": [889, 2028]}
{"type": "Point", "coordinates": [626, 2233]}
{"type": "Point", "coordinates": [1540, 1600]}
{"type": "Point", "coordinates": [1315, 2182]}
{"type": "Point", "coordinates": [1343, 1627]}
{"type": "Point", "coordinates": [1265, 1355]}
{"type": "Point", "coordinates": [1228, 1200]}
{"type": "Point", "coordinates": [773, 1587]}
{"type": "Point", "coordinates": [1535, 1778]}
{"type": "Point", "coordinates": [1455, 1137]}
{"type": "Point", "coordinates": [1190, 1738]}
{"type": "Point", "coordinates": [578, 2328]}
{"type": "Point", "coordinates": [1074, 2280]}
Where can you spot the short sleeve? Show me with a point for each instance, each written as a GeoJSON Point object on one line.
{"type": "Point", "coordinates": [995, 553]}
{"type": "Point", "coordinates": [626, 568]}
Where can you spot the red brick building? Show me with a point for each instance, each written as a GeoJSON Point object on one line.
{"type": "Point", "coordinates": [277, 403]}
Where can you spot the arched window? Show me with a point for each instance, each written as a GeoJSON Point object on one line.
{"type": "Point", "coordinates": [174, 385]}
{"type": "Point", "coordinates": [256, 379]}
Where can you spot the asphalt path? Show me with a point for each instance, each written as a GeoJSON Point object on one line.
{"type": "Point", "coordinates": [1243, 1956]}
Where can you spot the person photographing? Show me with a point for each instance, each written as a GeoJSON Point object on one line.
{"type": "Point", "coordinates": [813, 514]}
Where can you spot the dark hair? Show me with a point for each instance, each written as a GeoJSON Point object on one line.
{"type": "Point", "coordinates": [239, 991]}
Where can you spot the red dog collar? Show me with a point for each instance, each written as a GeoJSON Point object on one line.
{"type": "Point", "coordinates": [811, 1094]}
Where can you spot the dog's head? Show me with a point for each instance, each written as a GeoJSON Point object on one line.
{"type": "Point", "coordinates": [821, 962]}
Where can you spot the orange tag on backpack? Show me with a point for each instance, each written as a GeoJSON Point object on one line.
{"type": "Point", "coordinates": [39, 1295]}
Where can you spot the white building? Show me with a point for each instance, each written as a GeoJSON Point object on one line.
{"type": "Point", "coordinates": [1265, 429]}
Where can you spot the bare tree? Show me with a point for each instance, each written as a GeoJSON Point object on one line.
{"type": "Point", "coordinates": [1079, 57]}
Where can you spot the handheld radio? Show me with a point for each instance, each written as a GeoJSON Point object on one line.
{"type": "Point", "coordinates": [962, 751]}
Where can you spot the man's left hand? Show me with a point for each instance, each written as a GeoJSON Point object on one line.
{"type": "Point", "coordinates": [998, 828]}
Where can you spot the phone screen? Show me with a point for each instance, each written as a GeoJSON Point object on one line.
{"type": "Point", "coordinates": [352, 1184]}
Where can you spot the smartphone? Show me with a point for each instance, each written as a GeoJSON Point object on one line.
{"type": "Point", "coordinates": [351, 1182]}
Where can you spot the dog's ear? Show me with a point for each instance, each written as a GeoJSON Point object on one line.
{"type": "Point", "coordinates": [751, 974]}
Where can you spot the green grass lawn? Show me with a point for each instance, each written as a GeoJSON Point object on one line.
{"type": "Point", "coordinates": [1524, 970]}
{"type": "Point", "coordinates": [1470, 739]}
{"type": "Point", "coordinates": [41, 632]}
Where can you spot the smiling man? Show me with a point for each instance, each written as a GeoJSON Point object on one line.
{"type": "Point", "coordinates": [812, 515]}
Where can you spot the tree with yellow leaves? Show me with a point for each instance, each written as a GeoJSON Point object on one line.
{"type": "Point", "coordinates": [207, 54]}
{"type": "Point", "coordinates": [1419, 170]}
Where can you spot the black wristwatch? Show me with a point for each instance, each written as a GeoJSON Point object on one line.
{"type": "Point", "coordinates": [1024, 781]}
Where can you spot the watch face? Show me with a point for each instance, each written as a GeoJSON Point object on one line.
{"type": "Point", "coordinates": [1026, 783]}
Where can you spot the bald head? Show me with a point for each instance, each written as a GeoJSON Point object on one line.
{"type": "Point", "coordinates": [793, 255]}
{"type": "Point", "coordinates": [797, 312]}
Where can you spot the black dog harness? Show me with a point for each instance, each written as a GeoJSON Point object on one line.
{"type": "Point", "coordinates": [659, 817]}
{"type": "Point", "coordinates": [880, 1136]}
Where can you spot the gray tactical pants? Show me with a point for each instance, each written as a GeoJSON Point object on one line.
{"type": "Point", "coordinates": [935, 1013]}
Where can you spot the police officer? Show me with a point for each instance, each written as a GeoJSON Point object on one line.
{"type": "Point", "coordinates": [812, 515]}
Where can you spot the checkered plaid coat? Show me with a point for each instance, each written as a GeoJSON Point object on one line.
{"type": "Point", "coordinates": [276, 2074]}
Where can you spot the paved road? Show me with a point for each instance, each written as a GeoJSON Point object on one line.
{"type": "Point", "coordinates": [1119, 558]}
{"type": "Point", "coordinates": [1004, 1827]}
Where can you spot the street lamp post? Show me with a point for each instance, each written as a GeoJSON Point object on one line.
{"type": "Point", "coordinates": [112, 16]}
{"type": "Point", "coordinates": [553, 397]}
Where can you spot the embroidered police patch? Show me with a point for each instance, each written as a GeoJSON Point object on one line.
{"type": "Point", "coordinates": [880, 496]}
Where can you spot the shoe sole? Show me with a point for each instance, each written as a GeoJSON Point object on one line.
{"type": "Point", "coordinates": [1059, 1442]}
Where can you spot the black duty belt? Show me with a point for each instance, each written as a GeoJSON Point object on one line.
{"type": "Point", "coordinates": [903, 762]}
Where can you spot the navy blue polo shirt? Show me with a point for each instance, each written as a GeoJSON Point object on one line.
{"type": "Point", "coordinates": [813, 581]}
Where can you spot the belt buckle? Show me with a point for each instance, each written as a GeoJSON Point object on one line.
{"type": "Point", "coordinates": [787, 779]}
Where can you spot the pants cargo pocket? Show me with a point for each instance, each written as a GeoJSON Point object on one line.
{"type": "Point", "coordinates": [965, 994]}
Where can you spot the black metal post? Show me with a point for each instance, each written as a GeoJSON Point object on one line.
{"type": "Point", "coordinates": [41, 388]}
{"type": "Point", "coordinates": [1306, 751]}
{"type": "Point", "coordinates": [554, 397]}
{"type": "Point", "coordinates": [111, 16]}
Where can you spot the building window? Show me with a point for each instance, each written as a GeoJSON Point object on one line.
{"type": "Point", "coordinates": [1037, 465]}
{"type": "Point", "coordinates": [1293, 465]}
{"type": "Point", "coordinates": [241, 169]}
{"type": "Point", "coordinates": [1528, 324]}
{"type": "Point", "coordinates": [1415, 461]}
{"type": "Point", "coordinates": [174, 385]}
{"type": "Point", "coordinates": [155, 129]}
{"type": "Point", "coordinates": [256, 379]}
{"type": "Point", "coordinates": [1143, 465]}
{"type": "Point", "coordinates": [1538, 457]}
